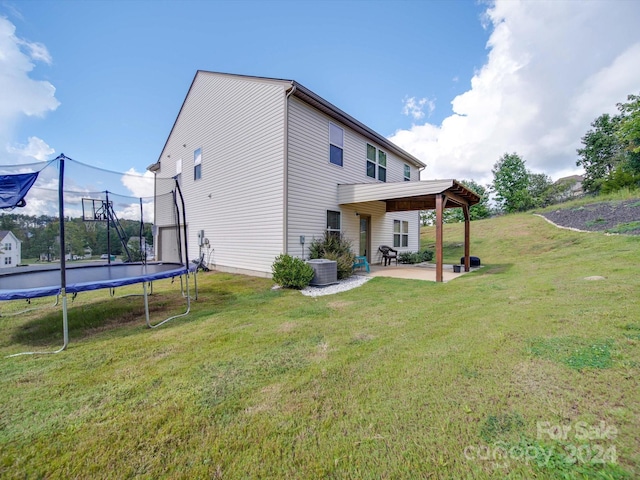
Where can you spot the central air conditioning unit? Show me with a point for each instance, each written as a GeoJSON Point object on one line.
{"type": "Point", "coordinates": [325, 272]}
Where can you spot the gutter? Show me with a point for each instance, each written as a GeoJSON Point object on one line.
{"type": "Point", "coordinates": [285, 176]}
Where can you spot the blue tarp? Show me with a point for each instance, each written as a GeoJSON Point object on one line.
{"type": "Point", "coordinates": [13, 189]}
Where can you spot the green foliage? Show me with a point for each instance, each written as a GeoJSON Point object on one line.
{"type": "Point", "coordinates": [415, 257]}
{"type": "Point", "coordinates": [291, 272]}
{"type": "Point", "coordinates": [601, 152]}
{"type": "Point", "coordinates": [511, 183]}
{"type": "Point", "coordinates": [574, 352]}
{"type": "Point", "coordinates": [627, 227]}
{"type": "Point", "coordinates": [629, 128]}
{"type": "Point", "coordinates": [334, 246]}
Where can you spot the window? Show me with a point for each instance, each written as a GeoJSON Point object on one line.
{"type": "Point", "coordinates": [382, 166]}
{"type": "Point", "coordinates": [197, 164]}
{"type": "Point", "coordinates": [376, 158]}
{"type": "Point", "coordinates": [7, 260]}
{"type": "Point", "coordinates": [400, 233]}
{"type": "Point", "coordinates": [407, 173]}
{"type": "Point", "coordinates": [7, 246]}
{"type": "Point", "coordinates": [333, 223]}
{"type": "Point", "coordinates": [371, 161]}
{"type": "Point", "coordinates": [336, 144]}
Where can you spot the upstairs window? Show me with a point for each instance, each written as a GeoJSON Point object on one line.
{"type": "Point", "coordinates": [382, 166]}
{"type": "Point", "coordinates": [333, 223]}
{"type": "Point", "coordinates": [407, 173]}
{"type": "Point", "coordinates": [197, 164]}
{"type": "Point", "coordinates": [376, 160]}
{"type": "Point", "coordinates": [371, 161]}
{"type": "Point", "coordinates": [400, 233]}
{"type": "Point", "coordinates": [336, 144]}
{"type": "Point", "coordinates": [7, 246]}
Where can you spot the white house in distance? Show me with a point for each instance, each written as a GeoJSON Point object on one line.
{"type": "Point", "coordinates": [10, 249]}
{"type": "Point", "coordinates": [265, 165]}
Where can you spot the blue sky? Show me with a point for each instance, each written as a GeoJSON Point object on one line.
{"type": "Point", "coordinates": [456, 83]}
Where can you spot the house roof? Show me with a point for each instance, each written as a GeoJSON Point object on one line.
{"type": "Point", "coordinates": [403, 196]}
{"type": "Point", "coordinates": [311, 98]}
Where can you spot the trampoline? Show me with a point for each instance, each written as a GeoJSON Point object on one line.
{"type": "Point", "coordinates": [59, 280]}
{"type": "Point", "coordinates": [45, 282]}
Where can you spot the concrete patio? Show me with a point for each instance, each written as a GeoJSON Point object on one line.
{"type": "Point", "coordinates": [420, 271]}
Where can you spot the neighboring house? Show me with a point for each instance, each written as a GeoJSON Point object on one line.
{"type": "Point", "coordinates": [573, 184]}
{"type": "Point", "coordinates": [10, 249]}
{"type": "Point", "coordinates": [266, 165]}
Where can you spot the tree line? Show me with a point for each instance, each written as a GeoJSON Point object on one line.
{"type": "Point", "coordinates": [40, 235]}
{"type": "Point", "coordinates": [610, 156]}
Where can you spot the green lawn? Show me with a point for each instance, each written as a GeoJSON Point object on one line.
{"type": "Point", "coordinates": [522, 369]}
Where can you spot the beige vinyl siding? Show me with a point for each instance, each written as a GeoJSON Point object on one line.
{"type": "Point", "coordinates": [239, 125]}
{"type": "Point", "coordinates": [313, 183]}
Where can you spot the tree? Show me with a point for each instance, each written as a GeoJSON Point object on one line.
{"type": "Point", "coordinates": [541, 190]}
{"type": "Point", "coordinates": [601, 153]}
{"type": "Point", "coordinates": [511, 183]}
{"type": "Point", "coordinates": [629, 135]}
{"type": "Point", "coordinates": [629, 127]}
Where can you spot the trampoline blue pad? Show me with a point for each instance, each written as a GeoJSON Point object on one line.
{"type": "Point", "coordinates": [46, 282]}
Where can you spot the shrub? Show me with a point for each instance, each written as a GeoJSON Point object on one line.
{"type": "Point", "coordinates": [415, 257]}
{"type": "Point", "coordinates": [334, 247]}
{"type": "Point", "coordinates": [291, 272]}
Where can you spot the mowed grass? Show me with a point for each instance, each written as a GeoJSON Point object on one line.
{"type": "Point", "coordinates": [475, 378]}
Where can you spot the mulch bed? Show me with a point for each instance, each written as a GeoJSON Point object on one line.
{"type": "Point", "coordinates": [599, 217]}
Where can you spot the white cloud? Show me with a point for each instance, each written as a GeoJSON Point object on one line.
{"type": "Point", "coordinates": [36, 148]}
{"type": "Point", "coordinates": [415, 108]}
{"type": "Point", "coordinates": [139, 184]}
{"type": "Point", "coordinates": [20, 94]}
{"type": "Point", "coordinates": [552, 68]}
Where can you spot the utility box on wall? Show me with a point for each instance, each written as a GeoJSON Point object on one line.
{"type": "Point", "coordinates": [326, 272]}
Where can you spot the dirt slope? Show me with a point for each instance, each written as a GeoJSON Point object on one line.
{"type": "Point", "coordinates": [617, 217]}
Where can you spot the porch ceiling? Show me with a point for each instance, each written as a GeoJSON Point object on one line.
{"type": "Point", "coordinates": [404, 196]}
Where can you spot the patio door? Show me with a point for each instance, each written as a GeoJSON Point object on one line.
{"type": "Point", "coordinates": [365, 237]}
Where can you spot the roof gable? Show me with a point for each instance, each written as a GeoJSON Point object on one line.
{"type": "Point", "coordinates": [307, 96]}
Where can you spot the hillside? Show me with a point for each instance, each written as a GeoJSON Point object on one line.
{"type": "Point", "coordinates": [611, 216]}
{"type": "Point", "coordinates": [401, 379]}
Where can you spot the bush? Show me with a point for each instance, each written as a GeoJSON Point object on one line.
{"type": "Point", "coordinates": [415, 257]}
{"type": "Point", "coordinates": [291, 272]}
{"type": "Point", "coordinates": [334, 247]}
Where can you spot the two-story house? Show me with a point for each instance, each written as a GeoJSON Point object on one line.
{"type": "Point", "coordinates": [266, 165]}
{"type": "Point", "coordinates": [10, 249]}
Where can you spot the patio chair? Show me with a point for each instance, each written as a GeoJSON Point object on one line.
{"type": "Point", "coordinates": [360, 262]}
{"type": "Point", "coordinates": [388, 254]}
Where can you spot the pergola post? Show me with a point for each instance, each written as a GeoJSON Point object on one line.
{"type": "Point", "coordinates": [439, 236]}
{"type": "Point", "coordinates": [467, 237]}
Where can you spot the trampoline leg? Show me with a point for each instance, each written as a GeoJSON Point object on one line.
{"type": "Point", "coordinates": [65, 332]}
{"type": "Point", "coordinates": [188, 297]}
{"type": "Point", "coordinates": [146, 304]}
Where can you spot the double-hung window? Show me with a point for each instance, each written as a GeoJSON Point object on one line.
{"type": "Point", "coordinates": [371, 161]}
{"type": "Point", "coordinates": [376, 160]}
{"type": "Point", "coordinates": [333, 223]}
{"type": "Point", "coordinates": [407, 173]}
{"type": "Point", "coordinates": [197, 164]}
{"type": "Point", "coordinates": [336, 144]}
{"type": "Point", "coordinates": [7, 246]}
{"type": "Point", "coordinates": [7, 260]}
{"type": "Point", "coordinates": [382, 166]}
{"type": "Point", "coordinates": [400, 233]}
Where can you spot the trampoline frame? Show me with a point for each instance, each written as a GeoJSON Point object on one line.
{"type": "Point", "coordinates": [61, 290]}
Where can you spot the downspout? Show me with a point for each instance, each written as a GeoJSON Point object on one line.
{"type": "Point", "coordinates": [285, 193]}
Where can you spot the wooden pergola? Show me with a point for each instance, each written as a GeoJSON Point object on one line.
{"type": "Point", "coordinates": [424, 195]}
